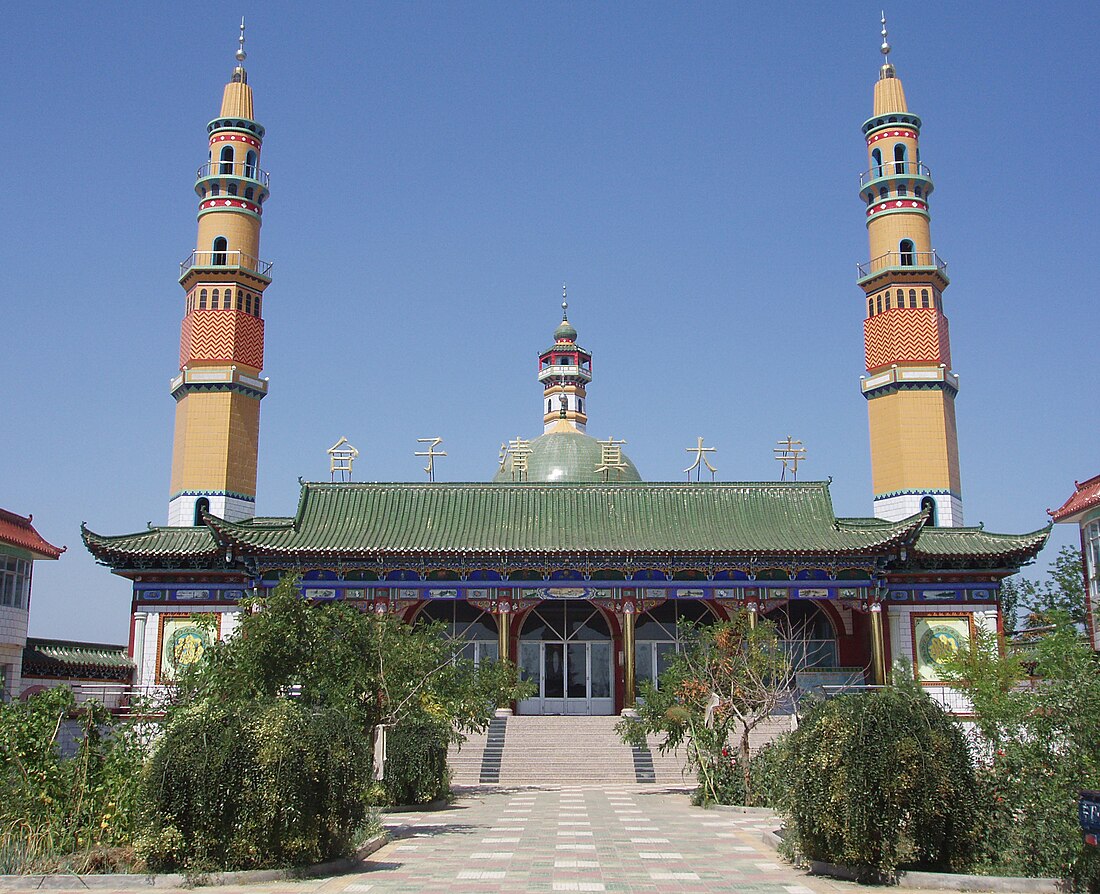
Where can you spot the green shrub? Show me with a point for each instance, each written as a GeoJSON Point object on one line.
{"type": "Point", "coordinates": [72, 812]}
{"type": "Point", "coordinates": [768, 773]}
{"type": "Point", "coordinates": [416, 763]}
{"type": "Point", "coordinates": [883, 780]}
{"type": "Point", "coordinates": [253, 784]}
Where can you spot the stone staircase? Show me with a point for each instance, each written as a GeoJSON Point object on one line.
{"type": "Point", "coordinates": [568, 750]}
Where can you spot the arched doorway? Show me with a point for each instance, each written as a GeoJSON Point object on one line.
{"type": "Point", "coordinates": [808, 634]}
{"type": "Point", "coordinates": [657, 638]}
{"type": "Point", "coordinates": [565, 649]}
{"type": "Point", "coordinates": [473, 632]}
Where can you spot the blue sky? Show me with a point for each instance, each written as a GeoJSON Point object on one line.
{"type": "Point", "coordinates": [439, 169]}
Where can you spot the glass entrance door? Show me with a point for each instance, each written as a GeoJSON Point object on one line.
{"type": "Point", "coordinates": [569, 662]}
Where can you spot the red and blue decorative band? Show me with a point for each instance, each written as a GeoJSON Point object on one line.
{"type": "Point", "coordinates": [897, 205]}
{"type": "Point", "coordinates": [891, 134]}
{"type": "Point", "coordinates": [231, 202]}
{"type": "Point", "coordinates": [235, 137]}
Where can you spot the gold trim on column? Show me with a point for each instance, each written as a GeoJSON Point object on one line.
{"type": "Point", "coordinates": [628, 657]}
{"type": "Point", "coordinates": [878, 651]}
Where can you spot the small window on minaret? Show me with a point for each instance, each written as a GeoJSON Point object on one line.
{"type": "Point", "coordinates": [899, 158]}
{"type": "Point", "coordinates": [901, 298]}
{"type": "Point", "coordinates": [240, 300]}
{"type": "Point", "coordinates": [876, 163]}
{"type": "Point", "coordinates": [249, 193]}
{"type": "Point", "coordinates": [214, 299]}
{"type": "Point", "coordinates": [929, 505]}
{"type": "Point", "coordinates": [902, 191]}
{"type": "Point", "coordinates": [580, 405]}
{"type": "Point", "coordinates": [231, 189]}
{"type": "Point", "coordinates": [912, 297]}
{"type": "Point", "coordinates": [227, 160]}
{"type": "Point", "coordinates": [870, 307]}
{"type": "Point", "coordinates": [887, 300]}
{"type": "Point", "coordinates": [248, 304]}
{"type": "Point", "coordinates": [918, 192]}
{"type": "Point", "coordinates": [924, 297]}
{"type": "Point", "coordinates": [878, 304]}
{"type": "Point", "coordinates": [908, 255]}
{"type": "Point", "coordinates": [215, 190]}
{"type": "Point", "coordinates": [257, 305]}
{"type": "Point", "coordinates": [250, 165]}
{"type": "Point", "coordinates": [202, 299]}
{"type": "Point", "coordinates": [549, 406]}
{"type": "Point", "coordinates": [201, 505]}
{"type": "Point", "coordinates": [883, 192]}
{"type": "Point", "coordinates": [220, 246]}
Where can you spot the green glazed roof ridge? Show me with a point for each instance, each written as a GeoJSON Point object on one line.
{"type": "Point", "coordinates": [72, 652]}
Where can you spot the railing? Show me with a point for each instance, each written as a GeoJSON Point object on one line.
{"type": "Point", "coordinates": [895, 169]}
{"type": "Point", "coordinates": [234, 169]}
{"type": "Point", "coordinates": [950, 698]}
{"type": "Point", "coordinates": [902, 259]}
{"type": "Point", "coordinates": [227, 260]}
{"type": "Point", "coordinates": [568, 372]}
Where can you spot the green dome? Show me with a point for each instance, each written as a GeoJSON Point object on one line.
{"type": "Point", "coordinates": [565, 331]}
{"type": "Point", "coordinates": [566, 456]}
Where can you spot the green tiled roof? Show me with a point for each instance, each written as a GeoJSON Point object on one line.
{"type": "Point", "coordinates": [372, 519]}
{"type": "Point", "coordinates": [368, 521]}
{"type": "Point", "coordinates": [153, 543]}
{"type": "Point", "coordinates": [966, 543]}
{"type": "Point", "coordinates": [53, 658]}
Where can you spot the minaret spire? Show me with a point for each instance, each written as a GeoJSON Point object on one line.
{"type": "Point", "coordinates": [242, 55]}
{"type": "Point", "coordinates": [219, 386]}
{"type": "Point", "coordinates": [910, 386]}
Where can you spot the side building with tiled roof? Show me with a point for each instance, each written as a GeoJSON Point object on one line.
{"type": "Point", "coordinates": [20, 546]}
{"type": "Point", "coordinates": [1083, 509]}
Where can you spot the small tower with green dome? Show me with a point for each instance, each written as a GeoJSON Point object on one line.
{"type": "Point", "coordinates": [565, 368]}
{"type": "Point", "coordinates": [564, 452]}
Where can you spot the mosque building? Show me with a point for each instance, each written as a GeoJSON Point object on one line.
{"type": "Point", "coordinates": [566, 561]}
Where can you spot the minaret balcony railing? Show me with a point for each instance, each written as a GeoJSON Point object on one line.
{"type": "Point", "coordinates": [236, 170]}
{"type": "Point", "coordinates": [565, 372]}
{"type": "Point", "coordinates": [903, 260]}
{"type": "Point", "coordinates": [224, 260]}
{"type": "Point", "coordinates": [912, 169]}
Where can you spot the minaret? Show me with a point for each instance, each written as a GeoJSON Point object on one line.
{"type": "Point", "coordinates": [219, 388]}
{"type": "Point", "coordinates": [909, 386]}
{"type": "Point", "coordinates": [565, 368]}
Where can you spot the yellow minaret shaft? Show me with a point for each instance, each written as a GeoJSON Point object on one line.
{"type": "Point", "coordinates": [219, 388]}
{"type": "Point", "coordinates": [909, 386]}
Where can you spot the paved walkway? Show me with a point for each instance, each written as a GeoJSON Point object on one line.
{"type": "Point", "coordinates": [624, 838]}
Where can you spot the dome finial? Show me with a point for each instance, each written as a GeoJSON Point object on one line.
{"type": "Point", "coordinates": [241, 54]}
{"type": "Point", "coordinates": [887, 70]}
{"type": "Point", "coordinates": [564, 303]}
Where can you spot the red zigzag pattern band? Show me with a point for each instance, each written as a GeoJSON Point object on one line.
{"type": "Point", "coordinates": [906, 334]}
{"type": "Point", "coordinates": [228, 335]}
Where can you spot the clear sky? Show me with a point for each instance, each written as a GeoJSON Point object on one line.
{"type": "Point", "coordinates": [439, 169]}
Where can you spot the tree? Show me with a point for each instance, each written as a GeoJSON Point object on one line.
{"type": "Point", "coordinates": [375, 667]}
{"type": "Point", "coordinates": [1061, 593]}
{"type": "Point", "coordinates": [266, 757]}
{"type": "Point", "coordinates": [728, 678]}
{"type": "Point", "coordinates": [1041, 738]}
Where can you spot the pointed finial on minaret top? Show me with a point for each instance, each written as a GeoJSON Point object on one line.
{"type": "Point", "coordinates": [887, 69]}
{"type": "Point", "coordinates": [564, 302]}
{"type": "Point", "coordinates": [241, 54]}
